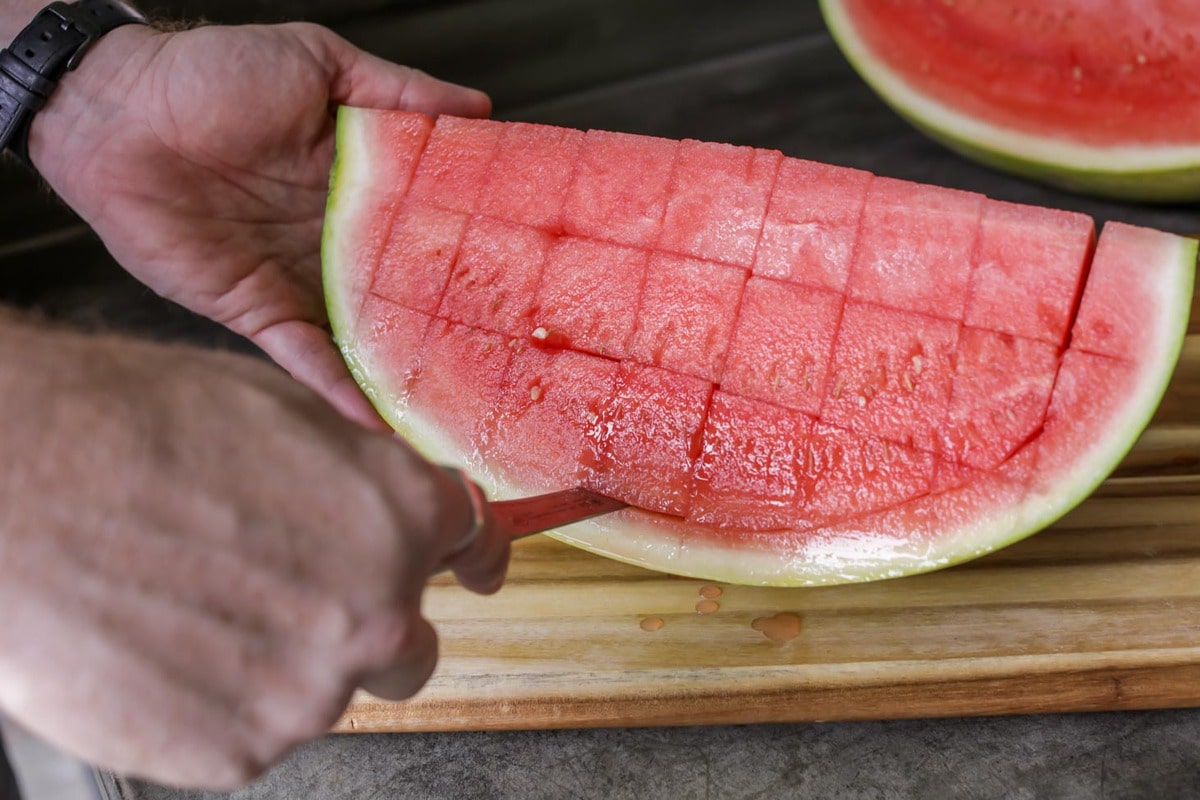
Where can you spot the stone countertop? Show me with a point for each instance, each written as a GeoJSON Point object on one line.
{"type": "Point", "coordinates": [771, 78]}
{"type": "Point", "coordinates": [1154, 754]}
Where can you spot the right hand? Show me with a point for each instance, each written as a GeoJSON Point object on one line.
{"type": "Point", "coordinates": [200, 560]}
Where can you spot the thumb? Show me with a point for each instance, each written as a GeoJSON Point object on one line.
{"type": "Point", "coordinates": [367, 81]}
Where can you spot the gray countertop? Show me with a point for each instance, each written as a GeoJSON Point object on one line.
{"type": "Point", "coordinates": [771, 77]}
{"type": "Point", "coordinates": [1086, 756]}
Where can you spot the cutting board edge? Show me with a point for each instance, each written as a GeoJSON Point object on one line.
{"type": "Point", "coordinates": [1101, 689]}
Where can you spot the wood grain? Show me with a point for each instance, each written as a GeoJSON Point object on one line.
{"type": "Point", "coordinates": [1101, 611]}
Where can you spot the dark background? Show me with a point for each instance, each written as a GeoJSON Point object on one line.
{"type": "Point", "coordinates": [758, 72]}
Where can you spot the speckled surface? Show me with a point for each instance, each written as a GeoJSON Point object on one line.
{"type": "Point", "coordinates": [1068, 757]}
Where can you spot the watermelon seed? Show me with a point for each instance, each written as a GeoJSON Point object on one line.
{"type": "Point", "coordinates": [710, 592]}
{"type": "Point", "coordinates": [540, 333]}
{"type": "Point", "coordinates": [706, 607]}
{"type": "Point", "coordinates": [652, 624]}
{"type": "Point", "coordinates": [535, 393]}
{"type": "Point", "coordinates": [862, 401]}
{"type": "Point", "coordinates": [918, 364]}
{"type": "Point", "coordinates": [908, 381]}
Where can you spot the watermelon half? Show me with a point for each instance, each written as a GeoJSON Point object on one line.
{"type": "Point", "coordinates": [798, 374]}
{"type": "Point", "coordinates": [1097, 96]}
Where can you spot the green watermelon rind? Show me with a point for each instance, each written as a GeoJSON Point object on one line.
{"type": "Point", "coordinates": [638, 538]}
{"type": "Point", "coordinates": [1141, 173]}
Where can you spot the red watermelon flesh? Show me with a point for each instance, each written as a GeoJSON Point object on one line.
{"type": "Point", "coordinates": [455, 163]}
{"type": "Point", "coordinates": [1113, 312]}
{"type": "Point", "coordinates": [647, 437]}
{"type": "Point", "coordinates": [1099, 73]}
{"type": "Point", "coordinates": [619, 189]}
{"type": "Point", "coordinates": [751, 469]}
{"type": "Point", "coordinates": [718, 201]}
{"type": "Point", "coordinates": [494, 280]}
{"type": "Point", "coordinates": [686, 316]}
{"type": "Point", "coordinates": [589, 295]}
{"type": "Point", "coordinates": [891, 374]}
{"type": "Point", "coordinates": [992, 410]}
{"type": "Point", "coordinates": [546, 414]}
{"type": "Point", "coordinates": [421, 247]}
{"type": "Point", "coordinates": [782, 345]}
{"type": "Point", "coordinates": [916, 248]}
{"type": "Point", "coordinates": [1029, 270]}
{"type": "Point", "coordinates": [528, 179]}
{"type": "Point", "coordinates": [811, 227]}
{"type": "Point", "coordinates": [1098, 97]}
{"type": "Point", "coordinates": [458, 386]}
{"type": "Point", "coordinates": [393, 144]}
{"type": "Point", "coordinates": [797, 434]}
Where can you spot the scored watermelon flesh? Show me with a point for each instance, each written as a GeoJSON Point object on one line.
{"type": "Point", "coordinates": [687, 314]}
{"type": "Point", "coordinates": [528, 179]}
{"type": "Point", "coordinates": [589, 295]}
{"type": "Point", "coordinates": [898, 413]}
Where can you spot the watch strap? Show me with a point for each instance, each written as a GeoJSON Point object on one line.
{"type": "Point", "coordinates": [41, 54]}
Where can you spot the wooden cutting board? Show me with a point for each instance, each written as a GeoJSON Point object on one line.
{"type": "Point", "coordinates": [1101, 611]}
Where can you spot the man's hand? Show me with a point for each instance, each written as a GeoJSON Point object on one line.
{"type": "Point", "coordinates": [202, 159]}
{"type": "Point", "coordinates": [200, 560]}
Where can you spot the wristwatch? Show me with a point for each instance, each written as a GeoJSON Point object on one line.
{"type": "Point", "coordinates": [53, 43]}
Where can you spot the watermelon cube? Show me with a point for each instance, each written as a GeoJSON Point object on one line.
{"type": "Point", "coordinates": [646, 439]}
{"type": "Point", "coordinates": [998, 401]}
{"type": "Point", "coordinates": [619, 191]}
{"type": "Point", "coordinates": [459, 383]}
{"type": "Point", "coordinates": [812, 224]}
{"type": "Point", "coordinates": [687, 315]}
{"type": "Point", "coordinates": [495, 278]}
{"type": "Point", "coordinates": [589, 295]}
{"type": "Point", "coordinates": [418, 255]}
{"type": "Point", "coordinates": [528, 179]}
{"type": "Point", "coordinates": [718, 201]}
{"type": "Point", "coordinates": [750, 465]}
{"type": "Point", "coordinates": [545, 415]}
{"type": "Point", "coordinates": [390, 146]}
{"type": "Point", "coordinates": [783, 343]}
{"type": "Point", "coordinates": [1088, 383]}
{"type": "Point", "coordinates": [1120, 297]}
{"type": "Point", "coordinates": [388, 340]}
{"type": "Point", "coordinates": [852, 473]}
{"type": "Point", "coordinates": [892, 373]}
{"type": "Point", "coordinates": [1029, 270]}
{"type": "Point", "coordinates": [455, 164]}
{"type": "Point", "coordinates": [916, 246]}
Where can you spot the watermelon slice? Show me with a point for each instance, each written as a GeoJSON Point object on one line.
{"type": "Point", "coordinates": [1093, 96]}
{"type": "Point", "coordinates": [894, 377]}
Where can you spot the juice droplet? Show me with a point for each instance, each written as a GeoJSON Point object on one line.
{"type": "Point", "coordinates": [707, 607]}
{"type": "Point", "coordinates": [781, 627]}
{"type": "Point", "coordinates": [652, 624]}
{"type": "Point", "coordinates": [710, 592]}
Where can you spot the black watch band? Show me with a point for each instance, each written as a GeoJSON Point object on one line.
{"type": "Point", "coordinates": [53, 43]}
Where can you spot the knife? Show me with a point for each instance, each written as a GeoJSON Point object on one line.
{"type": "Point", "coordinates": [543, 512]}
{"type": "Point", "coordinates": [526, 516]}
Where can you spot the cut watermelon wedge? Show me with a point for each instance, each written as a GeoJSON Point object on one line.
{"type": "Point", "coordinates": [975, 373]}
{"type": "Point", "coordinates": [1098, 97]}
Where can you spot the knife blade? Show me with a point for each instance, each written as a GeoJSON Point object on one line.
{"type": "Point", "coordinates": [529, 515]}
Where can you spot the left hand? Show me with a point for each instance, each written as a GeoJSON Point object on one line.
{"type": "Point", "coordinates": [202, 160]}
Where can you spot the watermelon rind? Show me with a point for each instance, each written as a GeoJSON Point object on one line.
{"type": "Point", "coordinates": [1151, 173]}
{"type": "Point", "coordinates": [810, 558]}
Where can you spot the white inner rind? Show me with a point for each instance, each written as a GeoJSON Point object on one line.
{"type": "Point", "coordinates": [796, 559]}
{"type": "Point", "coordinates": [346, 207]}
{"type": "Point", "coordinates": [1018, 145]}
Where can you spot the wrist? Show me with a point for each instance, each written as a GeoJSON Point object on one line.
{"type": "Point", "coordinates": [87, 106]}
{"type": "Point", "coordinates": [42, 56]}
